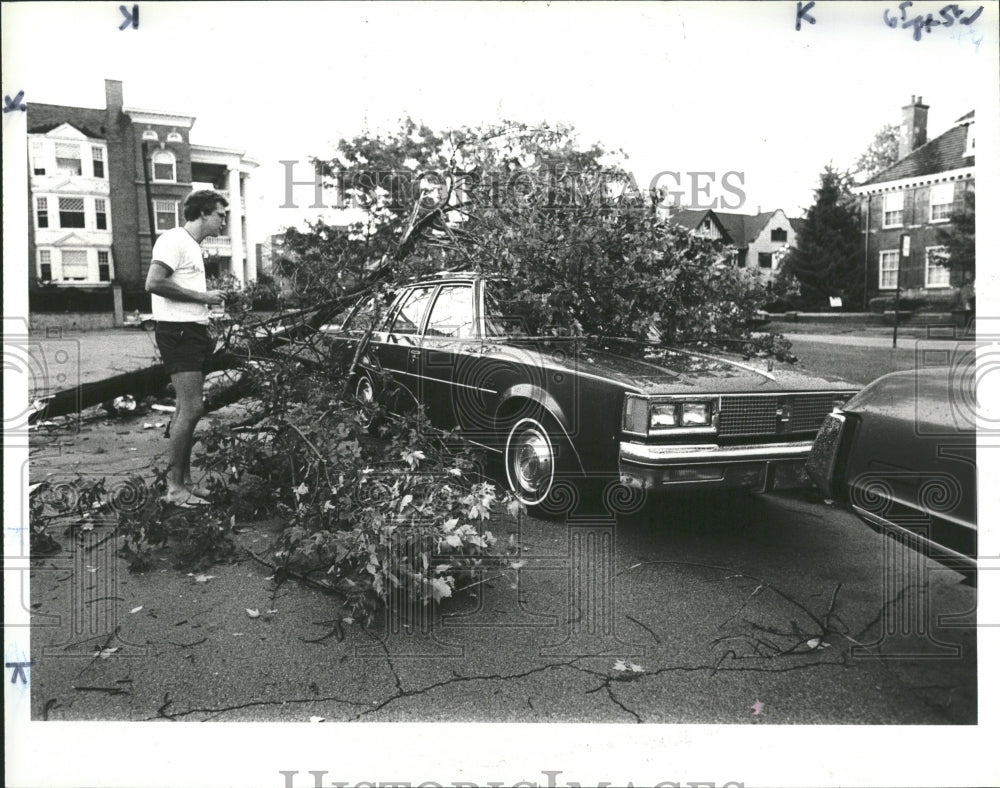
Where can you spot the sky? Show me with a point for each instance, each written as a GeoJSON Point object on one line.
{"type": "Point", "coordinates": [685, 87]}
{"type": "Point", "coordinates": [682, 87]}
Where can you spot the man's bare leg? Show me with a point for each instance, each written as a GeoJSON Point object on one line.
{"type": "Point", "coordinates": [190, 408]}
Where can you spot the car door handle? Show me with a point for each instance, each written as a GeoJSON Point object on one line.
{"type": "Point", "coordinates": [414, 354]}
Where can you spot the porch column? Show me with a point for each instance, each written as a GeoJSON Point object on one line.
{"type": "Point", "coordinates": [235, 226]}
{"type": "Point", "coordinates": [251, 255]}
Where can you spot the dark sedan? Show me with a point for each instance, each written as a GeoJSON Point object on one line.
{"type": "Point", "coordinates": [902, 456]}
{"type": "Point", "coordinates": [555, 407]}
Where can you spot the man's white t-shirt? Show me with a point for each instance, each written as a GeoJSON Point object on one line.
{"type": "Point", "coordinates": [181, 253]}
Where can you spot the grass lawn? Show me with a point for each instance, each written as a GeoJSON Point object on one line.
{"type": "Point", "coordinates": [858, 363]}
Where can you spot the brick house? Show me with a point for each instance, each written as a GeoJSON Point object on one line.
{"type": "Point", "coordinates": [760, 239]}
{"type": "Point", "coordinates": [917, 195]}
{"type": "Point", "coordinates": [98, 180]}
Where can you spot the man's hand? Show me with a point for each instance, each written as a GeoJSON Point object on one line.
{"type": "Point", "coordinates": [215, 297]}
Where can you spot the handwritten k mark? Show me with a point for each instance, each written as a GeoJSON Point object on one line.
{"type": "Point", "coordinates": [130, 19]}
{"type": "Point", "coordinates": [10, 105]}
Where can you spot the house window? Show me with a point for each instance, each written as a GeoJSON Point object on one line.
{"type": "Point", "coordinates": [764, 259]}
{"type": "Point", "coordinates": [74, 265]}
{"type": "Point", "coordinates": [101, 209]}
{"type": "Point", "coordinates": [888, 269]}
{"type": "Point", "coordinates": [98, 156]}
{"type": "Point", "coordinates": [37, 157]}
{"type": "Point", "coordinates": [42, 212]}
{"type": "Point", "coordinates": [104, 265]}
{"type": "Point", "coordinates": [165, 212]}
{"type": "Point", "coordinates": [164, 166]}
{"type": "Point", "coordinates": [71, 212]}
{"type": "Point", "coordinates": [68, 160]}
{"type": "Point", "coordinates": [970, 140]}
{"type": "Point", "coordinates": [892, 210]}
{"type": "Point", "coordinates": [942, 197]}
{"type": "Point", "coordinates": [779, 235]}
{"type": "Point", "coordinates": [45, 265]}
{"type": "Point", "coordinates": [936, 274]}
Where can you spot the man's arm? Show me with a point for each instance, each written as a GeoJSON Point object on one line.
{"type": "Point", "coordinates": [159, 282]}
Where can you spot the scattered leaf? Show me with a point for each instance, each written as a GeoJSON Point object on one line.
{"type": "Point", "coordinates": [253, 613]}
{"type": "Point", "coordinates": [518, 564]}
{"type": "Point", "coordinates": [105, 653]}
{"type": "Point", "coordinates": [136, 609]}
{"type": "Point", "coordinates": [440, 588]}
{"type": "Point", "coordinates": [203, 578]}
{"type": "Point", "coordinates": [757, 708]}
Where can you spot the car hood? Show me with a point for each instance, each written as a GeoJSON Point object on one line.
{"type": "Point", "coordinates": [655, 369]}
{"type": "Point", "coordinates": [937, 400]}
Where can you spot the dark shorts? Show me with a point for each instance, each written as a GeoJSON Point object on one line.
{"type": "Point", "coordinates": [185, 347]}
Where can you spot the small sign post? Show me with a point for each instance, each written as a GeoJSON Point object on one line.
{"type": "Point", "coordinates": [904, 254]}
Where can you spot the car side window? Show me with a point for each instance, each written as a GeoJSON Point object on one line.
{"type": "Point", "coordinates": [411, 311]}
{"type": "Point", "coordinates": [453, 313]}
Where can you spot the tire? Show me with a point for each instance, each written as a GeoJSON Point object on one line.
{"type": "Point", "coordinates": [538, 467]}
{"type": "Point", "coordinates": [149, 325]}
{"type": "Point", "coordinates": [366, 393]}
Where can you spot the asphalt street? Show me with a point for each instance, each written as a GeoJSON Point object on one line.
{"type": "Point", "coordinates": [690, 612]}
{"type": "Point", "coordinates": [762, 609]}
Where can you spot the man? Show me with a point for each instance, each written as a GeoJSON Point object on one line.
{"type": "Point", "coordinates": [181, 303]}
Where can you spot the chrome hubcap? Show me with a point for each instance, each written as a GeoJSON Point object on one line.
{"type": "Point", "coordinates": [532, 462]}
{"type": "Point", "coordinates": [366, 395]}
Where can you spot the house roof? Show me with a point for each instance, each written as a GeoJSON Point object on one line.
{"type": "Point", "coordinates": [941, 154]}
{"type": "Point", "coordinates": [42, 118]}
{"type": "Point", "coordinates": [691, 219]}
{"type": "Point", "coordinates": [743, 228]}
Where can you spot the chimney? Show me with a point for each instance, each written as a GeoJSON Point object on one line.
{"type": "Point", "coordinates": [913, 129]}
{"type": "Point", "coordinates": [114, 96]}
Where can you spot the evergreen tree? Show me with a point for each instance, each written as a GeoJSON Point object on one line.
{"type": "Point", "coordinates": [829, 257]}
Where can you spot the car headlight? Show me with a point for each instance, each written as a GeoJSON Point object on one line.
{"type": "Point", "coordinates": [662, 414]}
{"type": "Point", "coordinates": [643, 416]}
{"type": "Point", "coordinates": [696, 414]}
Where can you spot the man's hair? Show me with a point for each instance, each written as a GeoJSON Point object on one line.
{"type": "Point", "coordinates": [202, 202]}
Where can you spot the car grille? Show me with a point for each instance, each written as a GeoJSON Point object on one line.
{"type": "Point", "coordinates": [743, 415]}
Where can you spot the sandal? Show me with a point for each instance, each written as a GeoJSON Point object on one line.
{"type": "Point", "coordinates": [181, 501]}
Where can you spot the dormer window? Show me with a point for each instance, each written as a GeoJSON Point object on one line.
{"type": "Point", "coordinates": [164, 166]}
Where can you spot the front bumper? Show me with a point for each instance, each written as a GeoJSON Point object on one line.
{"type": "Point", "coordinates": [759, 467]}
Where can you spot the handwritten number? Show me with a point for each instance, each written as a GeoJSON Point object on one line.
{"type": "Point", "coordinates": [926, 23]}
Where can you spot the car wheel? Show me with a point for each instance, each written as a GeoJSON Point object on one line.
{"type": "Point", "coordinates": [364, 393]}
{"type": "Point", "coordinates": [149, 325]}
{"type": "Point", "coordinates": [537, 467]}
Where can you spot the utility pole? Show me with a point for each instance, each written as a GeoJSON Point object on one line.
{"type": "Point", "coordinates": [904, 254]}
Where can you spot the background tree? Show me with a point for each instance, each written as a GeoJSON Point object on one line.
{"type": "Point", "coordinates": [881, 153]}
{"type": "Point", "coordinates": [829, 257]}
{"type": "Point", "coordinates": [959, 237]}
{"type": "Point", "coordinates": [565, 222]}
